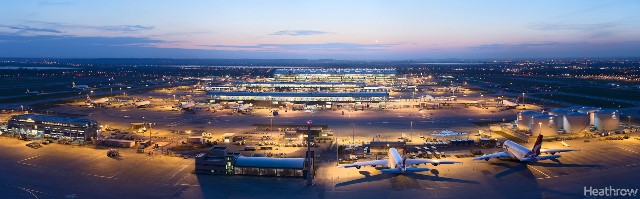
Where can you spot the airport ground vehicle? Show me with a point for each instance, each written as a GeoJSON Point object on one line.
{"type": "Point", "coordinates": [113, 153]}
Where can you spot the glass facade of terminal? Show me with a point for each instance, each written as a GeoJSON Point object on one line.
{"type": "Point", "coordinates": [299, 97]}
{"type": "Point", "coordinates": [336, 75]}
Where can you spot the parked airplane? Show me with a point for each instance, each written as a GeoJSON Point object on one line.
{"type": "Point", "coordinates": [519, 152]}
{"type": "Point", "coordinates": [398, 164]}
{"type": "Point", "coordinates": [145, 103]}
{"type": "Point", "coordinates": [245, 108]}
{"type": "Point", "coordinates": [187, 105]}
{"type": "Point", "coordinates": [100, 101]}
{"type": "Point", "coordinates": [448, 133]}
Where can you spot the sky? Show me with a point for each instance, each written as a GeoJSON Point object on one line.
{"type": "Point", "coordinates": [327, 29]}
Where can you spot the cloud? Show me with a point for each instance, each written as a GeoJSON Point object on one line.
{"type": "Point", "coordinates": [55, 3]}
{"type": "Point", "coordinates": [116, 28]}
{"type": "Point", "coordinates": [566, 26]}
{"type": "Point", "coordinates": [592, 30]}
{"type": "Point", "coordinates": [299, 32]}
{"type": "Point", "coordinates": [307, 47]}
{"type": "Point", "coordinates": [109, 47]}
{"type": "Point", "coordinates": [125, 28]}
{"type": "Point", "coordinates": [498, 46]}
{"type": "Point", "coordinates": [24, 28]}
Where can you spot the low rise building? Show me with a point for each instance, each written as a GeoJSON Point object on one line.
{"type": "Point", "coordinates": [217, 161]}
{"type": "Point", "coordinates": [43, 125]}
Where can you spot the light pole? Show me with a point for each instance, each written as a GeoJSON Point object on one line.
{"type": "Point", "coordinates": [271, 128]}
{"type": "Point", "coordinates": [523, 103]}
{"type": "Point", "coordinates": [337, 149]}
{"type": "Point", "coordinates": [174, 97]}
{"type": "Point", "coordinates": [22, 107]}
{"type": "Point", "coordinates": [411, 138]}
{"type": "Point", "coordinates": [353, 133]}
{"type": "Point", "coordinates": [540, 128]}
{"type": "Point", "coordinates": [309, 183]}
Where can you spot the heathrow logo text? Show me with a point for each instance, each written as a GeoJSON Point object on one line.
{"type": "Point", "coordinates": [609, 191]}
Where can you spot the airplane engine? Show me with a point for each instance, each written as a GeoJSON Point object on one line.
{"type": "Point", "coordinates": [435, 164]}
{"type": "Point", "coordinates": [358, 167]}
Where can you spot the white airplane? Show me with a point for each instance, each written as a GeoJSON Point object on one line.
{"type": "Point", "coordinates": [245, 108]}
{"type": "Point", "coordinates": [448, 133]}
{"type": "Point", "coordinates": [32, 92]}
{"type": "Point", "coordinates": [100, 101]}
{"type": "Point", "coordinates": [187, 105]}
{"type": "Point", "coordinates": [145, 103]}
{"type": "Point", "coordinates": [398, 164]}
{"type": "Point", "coordinates": [521, 153]}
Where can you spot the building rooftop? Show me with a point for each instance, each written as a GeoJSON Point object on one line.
{"type": "Point", "coordinates": [301, 94]}
{"type": "Point", "coordinates": [264, 162]}
{"type": "Point", "coordinates": [335, 71]}
{"type": "Point", "coordinates": [305, 83]}
{"type": "Point", "coordinates": [48, 118]}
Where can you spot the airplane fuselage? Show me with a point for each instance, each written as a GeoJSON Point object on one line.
{"type": "Point", "coordinates": [395, 159]}
{"type": "Point", "coordinates": [520, 152]}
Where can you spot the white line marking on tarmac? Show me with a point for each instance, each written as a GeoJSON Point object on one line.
{"type": "Point", "coordinates": [539, 171]}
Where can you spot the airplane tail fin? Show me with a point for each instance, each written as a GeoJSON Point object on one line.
{"type": "Point", "coordinates": [537, 145]}
{"type": "Point", "coordinates": [88, 98]}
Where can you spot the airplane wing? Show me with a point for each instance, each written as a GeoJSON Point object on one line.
{"type": "Point", "coordinates": [493, 155]}
{"type": "Point", "coordinates": [553, 151]}
{"type": "Point", "coordinates": [382, 162]}
{"type": "Point", "coordinates": [428, 161]}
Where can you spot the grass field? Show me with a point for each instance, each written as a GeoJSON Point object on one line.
{"type": "Point", "coordinates": [584, 101]}
{"type": "Point", "coordinates": [631, 95]}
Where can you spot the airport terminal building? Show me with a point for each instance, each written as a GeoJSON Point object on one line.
{"type": "Point", "coordinates": [299, 96]}
{"type": "Point", "coordinates": [218, 161]}
{"type": "Point", "coordinates": [41, 125]}
{"type": "Point", "coordinates": [300, 86]}
{"type": "Point", "coordinates": [336, 75]}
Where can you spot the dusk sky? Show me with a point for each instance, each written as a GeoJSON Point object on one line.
{"type": "Point", "coordinates": [340, 29]}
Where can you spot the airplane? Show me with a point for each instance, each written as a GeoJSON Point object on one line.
{"type": "Point", "coordinates": [145, 103]}
{"type": "Point", "coordinates": [81, 87]}
{"type": "Point", "coordinates": [100, 101]}
{"type": "Point", "coordinates": [519, 152]}
{"type": "Point", "coordinates": [508, 104]}
{"type": "Point", "coordinates": [32, 92]}
{"type": "Point", "coordinates": [187, 105]}
{"type": "Point", "coordinates": [398, 164]}
{"type": "Point", "coordinates": [448, 133]}
{"type": "Point", "coordinates": [245, 108]}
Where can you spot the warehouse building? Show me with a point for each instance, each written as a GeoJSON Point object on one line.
{"type": "Point", "coordinates": [43, 125]}
{"type": "Point", "coordinates": [218, 161]}
{"type": "Point", "coordinates": [264, 166]}
{"type": "Point", "coordinates": [336, 75]}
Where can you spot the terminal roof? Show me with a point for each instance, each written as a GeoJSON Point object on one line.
{"type": "Point", "coordinates": [301, 94]}
{"type": "Point", "coordinates": [264, 162]}
{"type": "Point", "coordinates": [47, 118]}
{"type": "Point", "coordinates": [337, 71]}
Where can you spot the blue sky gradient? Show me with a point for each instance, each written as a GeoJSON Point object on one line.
{"type": "Point", "coordinates": [346, 29]}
